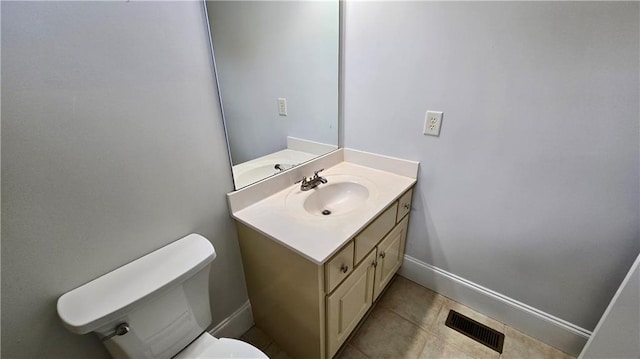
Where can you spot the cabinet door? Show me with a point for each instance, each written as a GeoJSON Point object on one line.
{"type": "Point", "coordinates": [349, 303]}
{"type": "Point", "coordinates": [390, 254]}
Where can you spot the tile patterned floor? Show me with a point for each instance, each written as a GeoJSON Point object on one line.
{"type": "Point", "coordinates": [408, 323]}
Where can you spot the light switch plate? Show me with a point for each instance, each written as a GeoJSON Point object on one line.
{"type": "Point", "coordinates": [432, 123]}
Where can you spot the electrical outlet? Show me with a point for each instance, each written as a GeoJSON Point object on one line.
{"type": "Point", "coordinates": [432, 122]}
{"type": "Point", "coordinates": [282, 106]}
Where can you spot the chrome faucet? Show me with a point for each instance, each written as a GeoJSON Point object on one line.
{"type": "Point", "coordinates": [313, 182]}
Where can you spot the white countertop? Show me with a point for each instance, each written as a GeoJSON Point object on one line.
{"type": "Point", "coordinates": [317, 238]}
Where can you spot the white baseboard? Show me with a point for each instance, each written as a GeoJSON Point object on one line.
{"type": "Point", "coordinates": [236, 324]}
{"type": "Point", "coordinates": [543, 326]}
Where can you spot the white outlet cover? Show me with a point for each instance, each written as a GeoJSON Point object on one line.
{"type": "Point", "coordinates": [432, 123]}
{"type": "Point", "coordinates": [282, 106]}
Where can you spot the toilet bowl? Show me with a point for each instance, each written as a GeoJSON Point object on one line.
{"type": "Point", "coordinates": [154, 307]}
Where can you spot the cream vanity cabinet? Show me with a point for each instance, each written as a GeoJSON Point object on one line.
{"type": "Point", "coordinates": [311, 309]}
{"type": "Point", "coordinates": [349, 302]}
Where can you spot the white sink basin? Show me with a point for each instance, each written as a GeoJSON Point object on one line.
{"type": "Point", "coordinates": [336, 198]}
{"type": "Point", "coordinates": [342, 194]}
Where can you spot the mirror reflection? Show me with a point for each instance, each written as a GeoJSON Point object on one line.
{"type": "Point", "coordinates": [277, 71]}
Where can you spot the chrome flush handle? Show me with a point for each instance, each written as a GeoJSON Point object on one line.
{"type": "Point", "coordinates": [121, 329]}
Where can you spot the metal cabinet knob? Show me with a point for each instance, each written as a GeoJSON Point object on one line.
{"type": "Point", "coordinates": [382, 255]}
{"type": "Point", "coordinates": [374, 263]}
{"type": "Point", "coordinates": [406, 206]}
{"type": "Point", "coordinates": [344, 268]}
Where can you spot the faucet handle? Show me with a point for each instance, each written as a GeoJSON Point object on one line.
{"type": "Point", "coordinates": [303, 180]}
{"type": "Point", "coordinates": [315, 173]}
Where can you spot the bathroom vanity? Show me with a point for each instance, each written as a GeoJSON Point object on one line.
{"type": "Point", "coordinates": [312, 277]}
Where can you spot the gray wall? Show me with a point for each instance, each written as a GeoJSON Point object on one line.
{"type": "Point", "coordinates": [617, 335]}
{"type": "Point", "coordinates": [531, 189]}
{"type": "Point", "coordinates": [270, 49]}
{"type": "Point", "coordinates": [112, 146]}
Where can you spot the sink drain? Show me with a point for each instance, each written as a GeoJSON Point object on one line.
{"type": "Point", "coordinates": [326, 212]}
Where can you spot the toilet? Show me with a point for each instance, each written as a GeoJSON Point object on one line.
{"type": "Point", "coordinates": [154, 307]}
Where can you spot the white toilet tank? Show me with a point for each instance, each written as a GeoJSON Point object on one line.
{"type": "Point", "coordinates": [152, 307]}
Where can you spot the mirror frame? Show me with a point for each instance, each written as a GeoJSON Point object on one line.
{"type": "Point", "coordinates": [341, 29]}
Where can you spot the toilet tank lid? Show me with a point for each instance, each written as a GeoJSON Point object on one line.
{"type": "Point", "coordinates": [106, 298]}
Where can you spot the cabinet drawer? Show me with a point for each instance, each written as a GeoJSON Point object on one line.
{"type": "Point", "coordinates": [404, 205]}
{"type": "Point", "coordinates": [370, 236]}
{"type": "Point", "coordinates": [339, 267]}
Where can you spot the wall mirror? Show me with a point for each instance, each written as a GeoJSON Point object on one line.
{"type": "Point", "coordinates": [277, 65]}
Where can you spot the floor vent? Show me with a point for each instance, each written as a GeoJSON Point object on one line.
{"type": "Point", "coordinates": [476, 331]}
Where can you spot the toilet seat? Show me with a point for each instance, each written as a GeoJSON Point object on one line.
{"type": "Point", "coordinates": [209, 347]}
